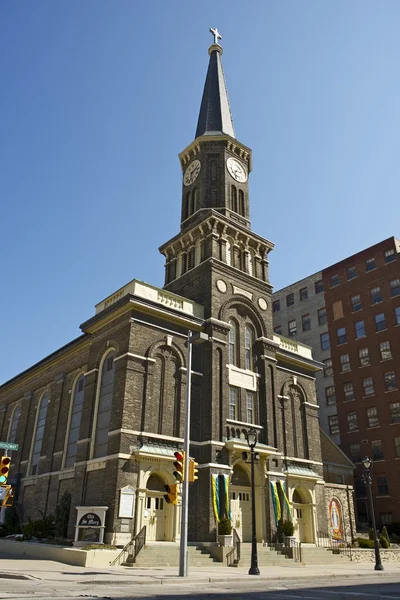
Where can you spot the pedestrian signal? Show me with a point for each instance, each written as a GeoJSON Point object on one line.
{"type": "Point", "coordinates": [9, 499]}
{"type": "Point", "coordinates": [4, 469]}
{"type": "Point", "coordinates": [193, 473]}
{"type": "Point", "coordinates": [171, 497]}
{"type": "Point", "coordinates": [179, 465]}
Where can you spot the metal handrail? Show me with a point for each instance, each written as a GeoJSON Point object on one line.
{"type": "Point", "coordinates": [230, 557]}
{"type": "Point", "coordinates": [132, 548]}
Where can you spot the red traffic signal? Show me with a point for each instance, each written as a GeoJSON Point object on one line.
{"type": "Point", "coordinates": [4, 469]}
{"type": "Point", "coordinates": [179, 465]}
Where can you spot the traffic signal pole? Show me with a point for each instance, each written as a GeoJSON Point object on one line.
{"type": "Point", "coordinates": [183, 555]}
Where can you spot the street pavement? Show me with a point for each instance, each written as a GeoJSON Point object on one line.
{"type": "Point", "coordinates": [29, 579]}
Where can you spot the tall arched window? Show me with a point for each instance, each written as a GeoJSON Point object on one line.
{"type": "Point", "coordinates": [248, 346]}
{"type": "Point", "coordinates": [250, 262]}
{"type": "Point", "coordinates": [12, 433]}
{"type": "Point", "coordinates": [75, 418]}
{"type": "Point", "coordinates": [41, 415]}
{"type": "Point", "coordinates": [104, 404]}
{"type": "Point", "coordinates": [186, 207]}
{"type": "Point", "coordinates": [241, 202]}
{"type": "Point", "coordinates": [234, 204]}
{"type": "Point", "coordinates": [228, 252]}
{"type": "Point", "coordinates": [194, 200]}
{"type": "Point", "coordinates": [233, 346]}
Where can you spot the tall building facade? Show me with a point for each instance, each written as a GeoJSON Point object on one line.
{"type": "Point", "coordinates": [103, 416]}
{"type": "Point", "coordinates": [359, 386]}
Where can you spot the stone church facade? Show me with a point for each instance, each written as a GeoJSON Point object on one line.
{"type": "Point", "coordinates": [102, 416]}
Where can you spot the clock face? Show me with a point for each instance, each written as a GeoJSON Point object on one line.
{"type": "Point", "coordinates": [192, 172]}
{"type": "Point", "coordinates": [236, 170]}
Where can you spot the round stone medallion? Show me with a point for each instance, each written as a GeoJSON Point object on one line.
{"type": "Point", "coordinates": [221, 286]}
{"type": "Point", "coordinates": [262, 303]}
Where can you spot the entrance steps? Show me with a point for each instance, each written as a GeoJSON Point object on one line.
{"type": "Point", "coordinates": [266, 556]}
{"type": "Point", "coordinates": [313, 555]}
{"type": "Point", "coordinates": [167, 555]}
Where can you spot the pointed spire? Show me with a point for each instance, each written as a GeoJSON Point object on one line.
{"type": "Point", "coordinates": [215, 113]}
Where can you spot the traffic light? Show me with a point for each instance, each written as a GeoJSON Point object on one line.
{"type": "Point", "coordinates": [192, 470]}
{"type": "Point", "coordinates": [4, 469]}
{"type": "Point", "coordinates": [171, 497]}
{"type": "Point", "coordinates": [179, 465]}
{"type": "Point", "coordinates": [9, 499]}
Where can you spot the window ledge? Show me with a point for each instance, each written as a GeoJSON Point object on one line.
{"type": "Point", "coordinates": [384, 496]}
{"type": "Point", "coordinates": [363, 366]}
{"type": "Point", "coordinates": [375, 460]}
{"type": "Point", "coordinates": [393, 390]}
{"type": "Point", "coordinates": [345, 401]}
{"type": "Point", "coordinates": [373, 427]}
{"type": "Point", "coordinates": [381, 330]}
{"type": "Point", "coordinates": [342, 343]}
{"type": "Point", "coordinates": [397, 423]}
{"type": "Point", "coordinates": [353, 312]}
{"type": "Point", "coordinates": [354, 431]}
{"type": "Point", "coordinates": [386, 359]}
{"type": "Point", "coordinates": [361, 337]}
{"type": "Point", "coordinates": [375, 303]}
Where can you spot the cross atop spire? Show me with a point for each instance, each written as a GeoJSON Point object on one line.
{"type": "Point", "coordinates": [216, 34]}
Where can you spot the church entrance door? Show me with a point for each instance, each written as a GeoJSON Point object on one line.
{"type": "Point", "coordinates": [302, 509]}
{"type": "Point", "coordinates": [241, 511]}
{"type": "Point", "coordinates": [156, 510]}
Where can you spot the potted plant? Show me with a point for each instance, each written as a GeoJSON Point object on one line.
{"type": "Point", "coordinates": [225, 532]}
{"type": "Point", "coordinates": [288, 532]}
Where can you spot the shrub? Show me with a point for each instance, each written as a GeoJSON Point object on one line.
{"type": "Point", "coordinates": [224, 526]}
{"type": "Point", "coordinates": [363, 543]}
{"type": "Point", "coordinates": [61, 516]}
{"type": "Point", "coordinates": [287, 528]}
{"type": "Point", "coordinates": [386, 536]}
{"type": "Point", "coordinates": [371, 533]}
{"type": "Point", "coordinates": [99, 547]}
{"type": "Point", "coordinates": [39, 528]}
{"type": "Point", "coordinates": [383, 542]}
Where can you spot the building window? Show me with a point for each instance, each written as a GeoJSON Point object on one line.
{"type": "Point", "coordinates": [351, 273]}
{"type": "Point", "coordinates": [397, 315]}
{"type": "Point", "coordinates": [386, 518]}
{"type": "Point", "coordinates": [103, 418]}
{"type": "Point", "coordinates": [394, 408]}
{"type": "Point", "coordinates": [389, 256]}
{"type": "Point", "coordinates": [368, 386]}
{"type": "Point", "coordinates": [341, 335]}
{"type": "Point", "coordinates": [360, 329]}
{"type": "Point", "coordinates": [325, 343]}
{"type": "Point", "coordinates": [39, 433]}
{"type": "Point", "coordinates": [241, 203]}
{"type": "Point", "coordinates": [75, 422]}
{"type": "Point", "coordinates": [397, 446]}
{"type": "Point", "coordinates": [278, 329]}
{"type": "Point", "coordinates": [376, 295]}
{"type": "Point", "coordinates": [250, 407]}
{"type": "Point", "coordinates": [233, 403]}
{"type": "Point", "coordinates": [390, 381]}
{"type": "Point", "coordinates": [370, 264]}
{"type": "Point", "coordinates": [348, 392]}
{"type": "Point", "coordinates": [377, 452]}
{"type": "Point", "coordinates": [322, 316]}
{"type": "Point", "coordinates": [319, 286]}
{"type": "Point", "coordinates": [356, 303]}
{"type": "Point", "coordinates": [384, 349]}
{"type": "Point", "coordinates": [380, 322]}
{"type": "Point", "coordinates": [363, 355]}
{"type": "Point", "coordinates": [395, 287]}
{"type": "Point", "coordinates": [233, 334]}
{"type": "Point", "coordinates": [248, 347]}
{"type": "Point", "coordinates": [328, 370]}
{"type": "Point", "coordinates": [335, 280]}
{"type": "Point", "coordinates": [372, 416]}
{"type": "Point", "coordinates": [292, 328]}
{"type": "Point", "coordinates": [303, 293]}
{"type": "Point", "coordinates": [383, 488]}
{"type": "Point", "coordinates": [355, 452]}
{"type": "Point", "coordinates": [344, 363]}
{"type": "Point", "coordinates": [290, 300]}
{"type": "Point", "coordinates": [330, 395]}
{"type": "Point", "coordinates": [12, 434]}
{"type": "Point", "coordinates": [202, 252]}
{"type": "Point", "coordinates": [306, 322]}
{"type": "Point", "coordinates": [352, 422]}
{"type": "Point", "coordinates": [360, 489]}
{"type": "Point", "coordinates": [191, 259]}
{"type": "Point", "coordinates": [333, 424]}
{"type": "Point", "coordinates": [276, 306]}
{"type": "Point", "coordinates": [234, 204]}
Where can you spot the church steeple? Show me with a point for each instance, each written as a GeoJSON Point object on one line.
{"type": "Point", "coordinates": [215, 114]}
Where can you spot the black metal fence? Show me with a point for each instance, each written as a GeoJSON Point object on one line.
{"type": "Point", "coordinates": [129, 553]}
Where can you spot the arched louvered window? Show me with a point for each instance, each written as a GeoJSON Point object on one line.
{"type": "Point", "coordinates": [12, 434]}
{"type": "Point", "coordinates": [41, 415]}
{"type": "Point", "coordinates": [75, 418]}
{"type": "Point", "coordinates": [194, 200]}
{"type": "Point", "coordinates": [186, 208]}
{"type": "Point", "coordinates": [233, 345]}
{"type": "Point", "coordinates": [234, 201]}
{"type": "Point", "coordinates": [103, 408]}
{"type": "Point", "coordinates": [248, 345]}
{"type": "Point", "coordinates": [228, 252]}
{"type": "Point", "coordinates": [250, 263]}
{"type": "Point", "coordinates": [241, 202]}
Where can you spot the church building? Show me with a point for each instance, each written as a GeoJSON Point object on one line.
{"type": "Point", "coordinates": [102, 416]}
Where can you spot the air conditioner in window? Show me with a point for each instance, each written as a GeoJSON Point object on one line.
{"type": "Point", "coordinates": [364, 441]}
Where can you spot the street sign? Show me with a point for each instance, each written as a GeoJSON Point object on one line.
{"type": "Point", "coordinates": [9, 446]}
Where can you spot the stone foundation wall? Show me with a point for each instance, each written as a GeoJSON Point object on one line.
{"type": "Point", "coordinates": [391, 555]}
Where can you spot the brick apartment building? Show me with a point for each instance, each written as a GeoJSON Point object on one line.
{"type": "Point", "coordinates": [103, 415]}
{"type": "Point", "coordinates": [354, 313]}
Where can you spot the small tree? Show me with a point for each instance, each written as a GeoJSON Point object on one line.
{"type": "Point", "coordinates": [386, 536]}
{"type": "Point", "coordinates": [61, 516]}
{"type": "Point", "coordinates": [371, 533]}
{"type": "Point", "coordinates": [287, 528]}
{"type": "Point", "coordinates": [224, 526]}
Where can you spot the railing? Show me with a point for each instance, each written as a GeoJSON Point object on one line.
{"type": "Point", "coordinates": [233, 556]}
{"type": "Point", "coordinates": [324, 540]}
{"type": "Point", "coordinates": [289, 547]}
{"type": "Point", "coordinates": [131, 550]}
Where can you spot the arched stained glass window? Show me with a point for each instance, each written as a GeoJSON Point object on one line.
{"type": "Point", "coordinates": [39, 433]}
{"type": "Point", "coordinates": [103, 417]}
{"type": "Point", "coordinates": [248, 344]}
{"type": "Point", "coordinates": [14, 424]}
{"type": "Point", "coordinates": [75, 421]}
{"type": "Point", "coordinates": [233, 349]}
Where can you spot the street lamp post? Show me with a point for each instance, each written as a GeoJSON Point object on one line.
{"type": "Point", "coordinates": [252, 441]}
{"type": "Point", "coordinates": [367, 462]}
{"type": "Point", "coordinates": [192, 338]}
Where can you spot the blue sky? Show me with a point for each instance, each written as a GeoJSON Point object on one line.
{"type": "Point", "coordinates": [99, 97]}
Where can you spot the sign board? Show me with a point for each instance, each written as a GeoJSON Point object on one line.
{"type": "Point", "coordinates": [90, 520]}
{"type": "Point", "coordinates": [9, 446]}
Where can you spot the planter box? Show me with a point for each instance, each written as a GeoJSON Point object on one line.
{"type": "Point", "coordinates": [225, 540]}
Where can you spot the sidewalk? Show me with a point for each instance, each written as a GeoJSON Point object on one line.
{"type": "Point", "coordinates": [48, 571]}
